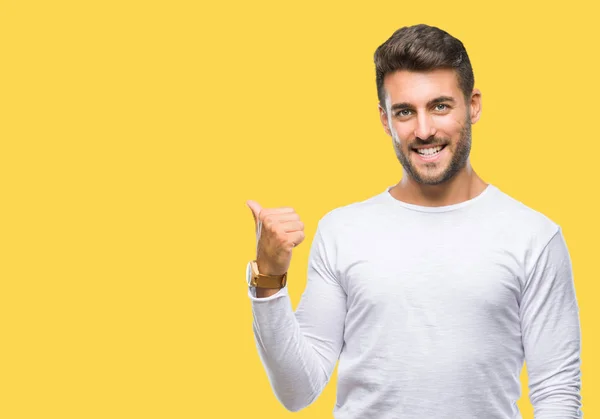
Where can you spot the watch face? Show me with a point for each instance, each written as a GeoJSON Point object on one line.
{"type": "Point", "coordinates": [249, 273]}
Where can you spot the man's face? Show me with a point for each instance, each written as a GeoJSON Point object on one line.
{"type": "Point", "coordinates": [425, 110]}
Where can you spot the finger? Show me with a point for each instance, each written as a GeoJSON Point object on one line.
{"type": "Point", "coordinates": [281, 218]}
{"type": "Point", "coordinates": [256, 211]}
{"type": "Point", "coordinates": [296, 238]}
{"type": "Point", "coordinates": [255, 208]}
{"type": "Point", "coordinates": [281, 210]}
{"type": "Point", "coordinates": [292, 226]}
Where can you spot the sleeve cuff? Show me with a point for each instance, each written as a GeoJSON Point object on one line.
{"type": "Point", "coordinates": [281, 293]}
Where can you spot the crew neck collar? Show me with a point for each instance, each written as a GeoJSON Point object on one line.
{"type": "Point", "coordinates": [444, 208]}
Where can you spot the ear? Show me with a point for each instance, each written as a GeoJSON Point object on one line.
{"type": "Point", "coordinates": [384, 120]}
{"type": "Point", "coordinates": [475, 105]}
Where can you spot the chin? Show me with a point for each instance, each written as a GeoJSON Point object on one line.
{"type": "Point", "coordinates": [433, 182]}
{"type": "Point", "coordinates": [437, 179]}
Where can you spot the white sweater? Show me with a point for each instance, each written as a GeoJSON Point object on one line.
{"type": "Point", "coordinates": [431, 312]}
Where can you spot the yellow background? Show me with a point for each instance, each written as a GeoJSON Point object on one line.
{"type": "Point", "coordinates": [133, 132]}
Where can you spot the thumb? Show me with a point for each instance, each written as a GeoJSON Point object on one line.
{"type": "Point", "coordinates": [255, 208]}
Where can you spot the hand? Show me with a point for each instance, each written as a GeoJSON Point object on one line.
{"type": "Point", "coordinates": [278, 231]}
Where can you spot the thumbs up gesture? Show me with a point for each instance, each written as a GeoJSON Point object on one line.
{"type": "Point", "coordinates": [278, 231]}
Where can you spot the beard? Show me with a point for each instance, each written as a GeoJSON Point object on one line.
{"type": "Point", "coordinates": [433, 173]}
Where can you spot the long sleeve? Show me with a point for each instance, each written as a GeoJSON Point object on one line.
{"type": "Point", "coordinates": [551, 334]}
{"type": "Point", "coordinates": [299, 349]}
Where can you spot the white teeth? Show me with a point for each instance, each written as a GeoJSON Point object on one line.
{"type": "Point", "coordinates": [429, 151]}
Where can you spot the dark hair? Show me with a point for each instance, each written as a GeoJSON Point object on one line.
{"type": "Point", "coordinates": [422, 48]}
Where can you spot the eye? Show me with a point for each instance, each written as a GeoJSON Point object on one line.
{"type": "Point", "coordinates": [443, 107]}
{"type": "Point", "coordinates": [402, 112]}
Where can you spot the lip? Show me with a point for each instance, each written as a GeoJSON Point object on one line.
{"type": "Point", "coordinates": [431, 159]}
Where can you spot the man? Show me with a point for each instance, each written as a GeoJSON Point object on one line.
{"type": "Point", "coordinates": [433, 293]}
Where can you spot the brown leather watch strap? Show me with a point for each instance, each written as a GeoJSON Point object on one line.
{"type": "Point", "coordinates": [268, 281]}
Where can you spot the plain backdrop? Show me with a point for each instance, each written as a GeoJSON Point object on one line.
{"type": "Point", "coordinates": [133, 132]}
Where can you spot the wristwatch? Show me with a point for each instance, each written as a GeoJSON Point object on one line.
{"type": "Point", "coordinates": [257, 280]}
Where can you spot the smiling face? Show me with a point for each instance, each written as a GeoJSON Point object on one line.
{"type": "Point", "coordinates": [430, 123]}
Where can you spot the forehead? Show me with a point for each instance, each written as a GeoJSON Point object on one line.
{"type": "Point", "coordinates": [420, 87]}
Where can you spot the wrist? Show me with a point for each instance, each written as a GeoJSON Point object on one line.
{"type": "Point", "coordinates": [265, 269]}
{"type": "Point", "coordinates": [266, 292]}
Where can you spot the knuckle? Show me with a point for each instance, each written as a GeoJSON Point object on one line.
{"type": "Point", "coordinates": [269, 220]}
{"type": "Point", "coordinates": [278, 232]}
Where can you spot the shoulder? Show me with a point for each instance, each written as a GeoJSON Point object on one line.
{"type": "Point", "coordinates": [517, 216]}
{"type": "Point", "coordinates": [351, 215]}
{"type": "Point", "coordinates": [521, 228]}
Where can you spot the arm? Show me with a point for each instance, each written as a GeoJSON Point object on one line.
{"type": "Point", "coordinates": [551, 334]}
{"type": "Point", "coordinates": [299, 350]}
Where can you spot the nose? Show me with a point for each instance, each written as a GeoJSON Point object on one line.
{"type": "Point", "coordinates": [425, 127]}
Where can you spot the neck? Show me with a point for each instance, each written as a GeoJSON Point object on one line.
{"type": "Point", "coordinates": [465, 185]}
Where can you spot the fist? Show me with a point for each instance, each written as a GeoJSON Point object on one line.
{"type": "Point", "coordinates": [278, 231]}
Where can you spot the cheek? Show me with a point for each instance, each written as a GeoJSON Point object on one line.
{"type": "Point", "coordinates": [399, 141]}
{"type": "Point", "coordinates": [449, 127]}
{"type": "Point", "coordinates": [400, 132]}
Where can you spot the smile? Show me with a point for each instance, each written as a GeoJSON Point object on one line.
{"type": "Point", "coordinates": [430, 153]}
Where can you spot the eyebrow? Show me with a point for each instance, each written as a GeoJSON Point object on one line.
{"type": "Point", "coordinates": [440, 99]}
